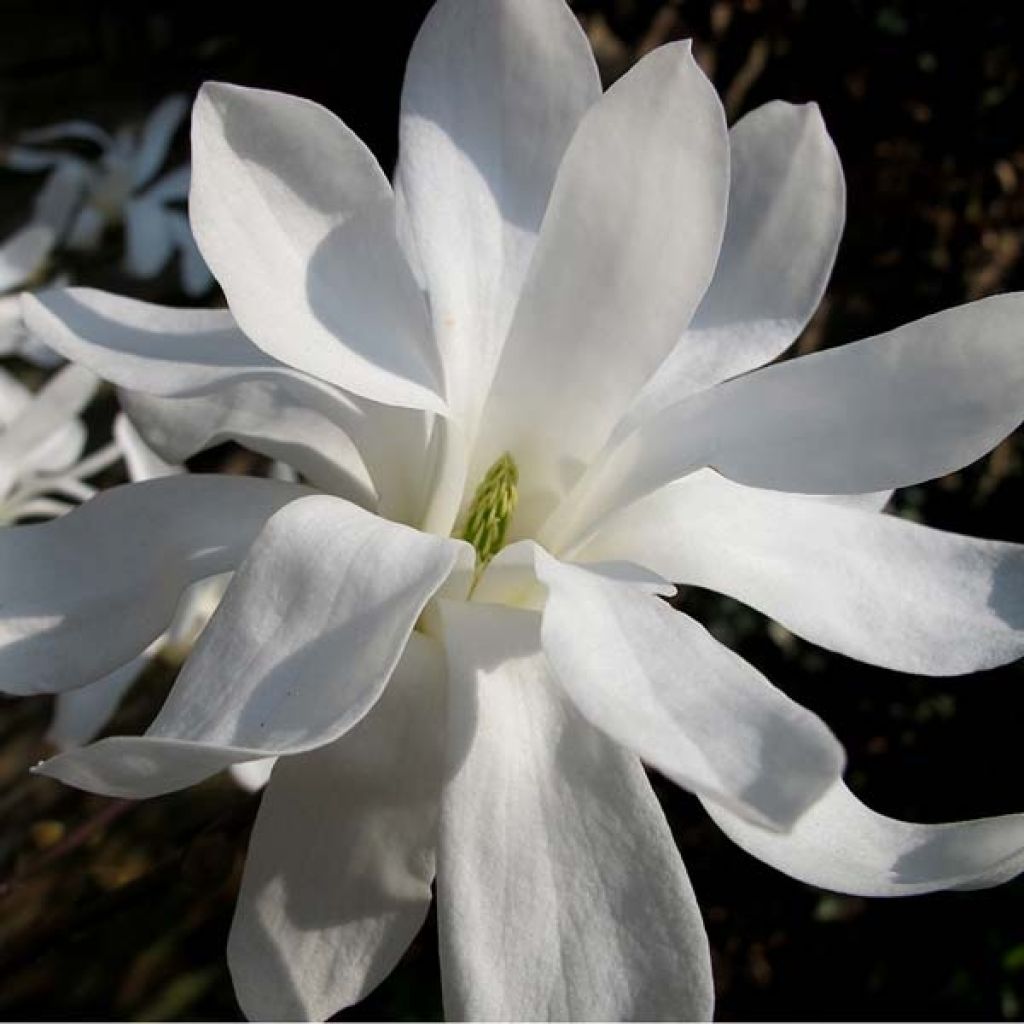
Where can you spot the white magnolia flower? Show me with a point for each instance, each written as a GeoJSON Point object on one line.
{"type": "Point", "coordinates": [120, 187]}
{"type": "Point", "coordinates": [540, 340]}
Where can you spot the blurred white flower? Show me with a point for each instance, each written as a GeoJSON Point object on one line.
{"type": "Point", "coordinates": [119, 187]}
{"type": "Point", "coordinates": [540, 341]}
{"type": "Point", "coordinates": [42, 470]}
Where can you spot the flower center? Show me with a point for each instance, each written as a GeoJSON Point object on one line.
{"type": "Point", "coordinates": [491, 509]}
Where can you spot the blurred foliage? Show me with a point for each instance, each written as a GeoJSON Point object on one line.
{"type": "Point", "coordinates": [111, 909]}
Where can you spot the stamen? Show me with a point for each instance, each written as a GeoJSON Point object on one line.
{"type": "Point", "coordinates": [491, 509]}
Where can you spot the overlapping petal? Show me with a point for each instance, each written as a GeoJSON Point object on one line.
{"type": "Point", "coordinates": [889, 411]}
{"type": "Point", "coordinates": [657, 682]}
{"type": "Point", "coordinates": [561, 894]}
{"type": "Point", "coordinates": [872, 587]}
{"type": "Point", "coordinates": [299, 650]}
{"type": "Point", "coordinates": [786, 212]}
{"type": "Point", "coordinates": [338, 876]}
{"type": "Point", "coordinates": [841, 844]}
{"type": "Point", "coordinates": [493, 93]}
{"type": "Point", "coordinates": [85, 594]}
{"type": "Point", "coordinates": [627, 248]}
{"type": "Point", "coordinates": [296, 220]}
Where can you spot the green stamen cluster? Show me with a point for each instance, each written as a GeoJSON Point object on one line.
{"type": "Point", "coordinates": [491, 509]}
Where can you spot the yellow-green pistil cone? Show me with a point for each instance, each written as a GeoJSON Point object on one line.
{"type": "Point", "coordinates": [491, 509]}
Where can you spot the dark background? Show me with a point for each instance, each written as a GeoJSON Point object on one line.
{"type": "Point", "coordinates": [117, 910]}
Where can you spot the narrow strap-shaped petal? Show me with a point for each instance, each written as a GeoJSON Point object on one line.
{"type": "Point", "coordinates": [657, 682]}
{"type": "Point", "coordinates": [341, 860]}
{"type": "Point", "coordinates": [299, 650]}
{"type": "Point", "coordinates": [264, 416]}
{"type": "Point", "coordinates": [83, 595]}
{"type": "Point", "coordinates": [252, 398]}
{"type": "Point", "coordinates": [147, 238]}
{"type": "Point", "coordinates": [296, 220]}
{"type": "Point", "coordinates": [890, 411]}
{"type": "Point", "coordinates": [561, 895]}
{"type": "Point", "coordinates": [786, 209]}
{"type": "Point", "coordinates": [626, 250]}
{"type": "Point", "coordinates": [841, 844]}
{"type": "Point", "coordinates": [156, 137]}
{"type": "Point", "coordinates": [79, 715]}
{"type": "Point", "coordinates": [23, 254]}
{"type": "Point", "coordinates": [493, 93]}
{"type": "Point", "coordinates": [76, 130]}
{"type": "Point", "coordinates": [872, 587]}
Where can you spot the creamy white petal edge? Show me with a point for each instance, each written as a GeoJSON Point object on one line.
{"type": "Point", "coordinates": [889, 411]}
{"type": "Point", "coordinates": [298, 651]}
{"type": "Point", "coordinates": [657, 682]}
{"type": "Point", "coordinates": [872, 587]}
{"type": "Point", "coordinates": [561, 894]}
{"type": "Point", "coordinates": [841, 844]}
{"type": "Point", "coordinates": [341, 860]}
{"type": "Point", "coordinates": [786, 196]}
{"type": "Point", "coordinates": [85, 594]}
{"type": "Point", "coordinates": [479, 75]}
{"type": "Point", "coordinates": [297, 222]}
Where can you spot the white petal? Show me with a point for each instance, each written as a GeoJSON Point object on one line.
{"type": "Point", "coordinates": [337, 879]}
{"type": "Point", "coordinates": [77, 130]}
{"type": "Point", "coordinates": [83, 595]}
{"type": "Point", "coordinates": [141, 461]}
{"type": "Point", "coordinates": [889, 411]}
{"type": "Point", "coordinates": [23, 254]}
{"type": "Point", "coordinates": [252, 776]}
{"type": "Point", "coordinates": [147, 239]}
{"type": "Point", "coordinates": [86, 230]}
{"type": "Point", "coordinates": [264, 416]}
{"type": "Point", "coordinates": [493, 93]}
{"type": "Point", "coordinates": [46, 436]}
{"type": "Point", "coordinates": [252, 398]}
{"type": "Point", "coordinates": [872, 587]}
{"type": "Point", "coordinates": [841, 844]}
{"type": "Point", "coordinates": [296, 654]}
{"type": "Point", "coordinates": [157, 134]}
{"type": "Point", "coordinates": [658, 683]}
{"type": "Point", "coordinates": [561, 894]}
{"type": "Point", "coordinates": [79, 715]}
{"type": "Point", "coordinates": [196, 278]}
{"type": "Point", "coordinates": [786, 209]}
{"type": "Point", "coordinates": [296, 221]}
{"type": "Point", "coordinates": [627, 248]}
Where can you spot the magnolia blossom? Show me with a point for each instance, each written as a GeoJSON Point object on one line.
{"type": "Point", "coordinates": [119, 187]}
{"type": "Point", "coordinates": [521, 387]}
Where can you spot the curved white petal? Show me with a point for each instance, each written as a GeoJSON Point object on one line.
{"type": "Point", "coordinates": [252, 398]}
{"type": "Point", "coordinates": [83, 595]}
{"type": "Point", "coordinates": [156, 137]}
{"type": "Point", "coordinates": [787, 204]}
{"type": "Point", "coordinates": [889, 411]}
{"type": "Point", "coordinates": [23, 254]}
{"type": "Point", "coordinates": [147, 238]}
{"type": "Point", "coordinates": [657, 682]}
{"type": "Point", "coordinates": [79, 715]}
{"type": "Point", "coordinates": [561, 895]}
{"type": "Point", "coordinates": [627, 248]}
{"type": "Point", "coordinates": [872, 587]}
{"type": "Point", "coordinates": [493, 93]}
{"type": "Point", "coordinates": [252, 776]}
{"type": "Point", "coordinates": [841, 844]}
{"type": "Point", "coordinates": [299, 650]}
{"type": "Point", "coordinates": [46, 435]}
{"type": "Point", "coordinates": [296, 220]}
{"type": "Point", "coordinates": [77, 130]}
{"type": "Point", "coordinates": [264, 416]}
{"type": "Point", "coordinates": [337, 878]}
